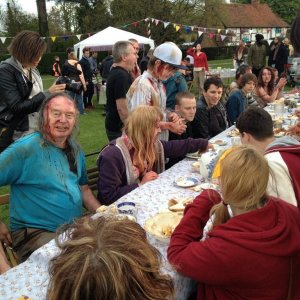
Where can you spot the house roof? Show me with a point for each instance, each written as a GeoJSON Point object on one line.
{"type": "Point", "coordinates": [249, 15]}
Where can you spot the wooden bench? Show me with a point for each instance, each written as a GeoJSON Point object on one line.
{"type": "Point", "coordinates": [92, 174]}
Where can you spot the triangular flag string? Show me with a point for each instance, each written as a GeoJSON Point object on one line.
{"type": "Point", "coordinates": [212, 32]}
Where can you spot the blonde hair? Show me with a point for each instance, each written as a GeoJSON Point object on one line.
{"type": "Point", "coordinates": [107, 258]}
{"type": "Point", "coordinates": [244, 179]}
{"type": "Point", "coordinates": [139, 127]}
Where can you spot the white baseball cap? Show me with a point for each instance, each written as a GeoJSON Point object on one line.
{"type": "Point", "coordinates": [169, 53]}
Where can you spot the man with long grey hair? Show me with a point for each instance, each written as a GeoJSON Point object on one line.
{"type": "Point", "coordinates": [47, 175]}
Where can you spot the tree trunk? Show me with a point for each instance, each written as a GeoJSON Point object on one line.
{"type": "Point", "coordinates": [43, 21]}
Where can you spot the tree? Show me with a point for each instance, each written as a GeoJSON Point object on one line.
{"type": "Point", "coordinates": [43, 22]}
{"type": "Point", "coordinates": [15, 20]}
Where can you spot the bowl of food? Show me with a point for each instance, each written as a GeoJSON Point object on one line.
{"type": "Point", "coordinates": [162, 225]}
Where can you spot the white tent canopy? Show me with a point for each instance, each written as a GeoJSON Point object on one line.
{"type": "Point", "coordinates": [105, 39]}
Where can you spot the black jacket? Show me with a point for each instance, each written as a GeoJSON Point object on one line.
{"type": "Point", "coordinates": [86, 68]}
{"type": "Point", "coordinates": [15, 104]}
{"type": "Point", "coordinates": [209, 122]}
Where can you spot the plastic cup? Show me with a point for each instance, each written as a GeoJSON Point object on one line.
{"type": "Point", "coordinates": [127, 210]}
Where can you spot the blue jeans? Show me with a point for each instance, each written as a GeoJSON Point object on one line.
{"type": "Point", "coordinates": [79, 101]}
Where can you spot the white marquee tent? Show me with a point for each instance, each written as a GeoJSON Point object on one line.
{"type": "Point", "coordinates": [105, 39]}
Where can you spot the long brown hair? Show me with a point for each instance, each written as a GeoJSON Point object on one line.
{"type": "Point", "coordinates": [107, 259]}
{"type": "Point", "coordinates": [270, 85]}
{"type": "Point", "coordinates": [139, 127]}
{"type": "Point", "coordinates": [244, 179]}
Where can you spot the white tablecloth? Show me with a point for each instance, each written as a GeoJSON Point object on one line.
{"type": "Point", "coordinates": [31, 277]}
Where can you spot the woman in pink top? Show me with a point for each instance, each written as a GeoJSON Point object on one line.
{"type": "Point", "coordinates": [200, 66]}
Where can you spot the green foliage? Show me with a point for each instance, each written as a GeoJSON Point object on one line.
{"type": "Point", "coordinates": [14, 20]}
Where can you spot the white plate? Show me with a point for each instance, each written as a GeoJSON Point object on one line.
{"type": "Point", "coordinates": [194, 155]}
{"type": "Point", "coordinates": [207, 185]}
{"type": "Point", "coordinates": [186, 181]}
{"type": "Point", "coordinates": [219, 142]}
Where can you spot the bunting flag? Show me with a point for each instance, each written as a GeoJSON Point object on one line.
{"type": "Point", "coordinates": [148, 30]}
{"type": "Point", "coordinates": [212, 32]}
{"type": "Point", "coordinates": [166, 24]}
{"type": "Point", "coordinates": [187, 29]}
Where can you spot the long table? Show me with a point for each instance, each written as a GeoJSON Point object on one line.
{"type": "Point", "coordinates": [31, 277]}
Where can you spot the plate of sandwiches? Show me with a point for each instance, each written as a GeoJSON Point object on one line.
{"type": "Point", "coordinates": [233, 132]}
{"type": "Point", "coordinates": [179, 204]}
{"type": "Point", "coordinates": [279, 132]}
{"type": "Point", "coordinates": [162, 225]}
{"type": "Point", "coordinates": [194, 155]}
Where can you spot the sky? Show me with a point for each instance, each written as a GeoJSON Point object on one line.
{"type": "Point", "coordinates": [27, 5]}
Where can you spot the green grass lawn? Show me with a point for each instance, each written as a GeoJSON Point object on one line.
{"type": "Point", "coordinates": [92, 136]}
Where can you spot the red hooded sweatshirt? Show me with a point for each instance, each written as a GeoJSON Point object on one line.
{"type": "Point", "coordinates": [248, 257]}
{"type": "Point", "coordinates": [291, 156]}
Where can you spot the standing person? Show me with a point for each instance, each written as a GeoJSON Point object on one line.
{"type": "Point", "coordinates": [250, 247]}
{"type": "Point", "coordinates": [22, 87]}
{"type": "Point", "coordinates": [72, 69]}
{"type": "Point", "coordinates": [93, 63]}
{"type": "Point", "coordinates": [105, 67]}
{"type": "Point", "coordinates": [200, 66]}
{"type": "Point", "coordinates": [56, 69]}
{"type": "Point", "coordinates": [144, 62]}
{"type": "Point", "coordinates": [211, 116]}
{"type": "Point", "coordinates": [238, 101]}
{"type": "Point", "coordinates": [135, 72]}
{"type": "Point", "coordinates": [148, 89]}
{"type": "Point", "coordinates": [175, 84]}
{"type": "Point", "coordinates": [257, 55]}
{"type": "Point", "coordinates": [267, 91]}
{"type": "Point", "coordinates": [240, 54]}
{"type": "Point", "coordinates": [88, 76]}
{"type": "Point", "coordinates": [278, 57]}
{"type": "Point", "coordinates": [47, 175]}
{"type": "Point", "coordinates": [118, 83]}
{"type": "Point", "coordinates": [289, 47]}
